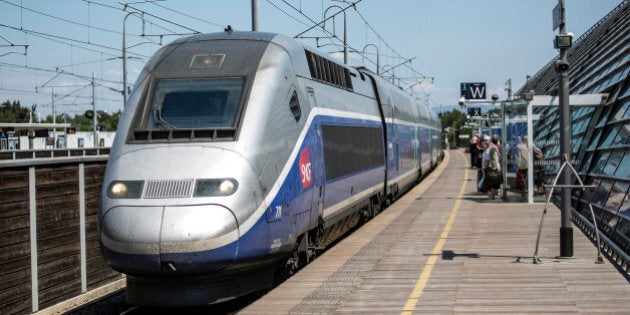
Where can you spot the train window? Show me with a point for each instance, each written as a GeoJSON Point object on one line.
{"type": "Point", "coordinates": [294, 105]}
{"type": "Point", "coordinates": [195, 103]}
{"type": "Point", "coordinates": [351, 149]}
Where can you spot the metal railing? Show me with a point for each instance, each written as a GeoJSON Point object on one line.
{"type": "Point", "coordinates": [609, 247]}
{"type": "Point", "coordinates": [21, 158]}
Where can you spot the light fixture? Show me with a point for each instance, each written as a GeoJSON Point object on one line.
{"type": "Point", "coordinates": [563, 41]}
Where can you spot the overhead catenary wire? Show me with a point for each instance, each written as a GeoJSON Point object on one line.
{"type": "Point", "coordinates": [417, 75]}
{"type": "Point", "coordinates": [68, 41]}
{"type": "Point", "coordinates": [22, 7]}
{"type": "Point", "coordinates": [57, 71]}
{"type": "Point", "coordinates": [287, 13]}
{"type": "Point", "coordinates": [330, 36]}
{"type": "Point", "coordinates": [187, 15]}
{"type": "Point", "coordinates": [72, 42]}
{"type": "Point", "coordinates": [153, 13]}
{"type": "Point", "coordinates": [383, 40]}
{"type": "Point", "coordinates": [193, 31]}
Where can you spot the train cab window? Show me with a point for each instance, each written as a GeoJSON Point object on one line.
{"type": "Point", "coordinates": [294, 105]}
{"type": "Point", "coordinates": [195, 103]}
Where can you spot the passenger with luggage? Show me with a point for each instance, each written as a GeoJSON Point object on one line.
{"type": "Point", "coordinates": [491, 167]}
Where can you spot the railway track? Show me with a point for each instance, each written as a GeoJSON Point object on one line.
{"type": "Point", "coordinates": [116, 304]}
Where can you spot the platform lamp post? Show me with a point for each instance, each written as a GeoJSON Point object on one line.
{"type": "Point", "coordinates": [563, 42]}
{"type": "Point", "coordinates": [124, 55]}
{"type": "Point", "coordinates": [378, 57]}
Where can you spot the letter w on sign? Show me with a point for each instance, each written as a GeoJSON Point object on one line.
{"type": "Point", "coordinates": [473, 90]}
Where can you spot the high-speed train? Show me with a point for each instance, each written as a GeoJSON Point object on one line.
{"type": "Point", "coordinates": [240, 155]}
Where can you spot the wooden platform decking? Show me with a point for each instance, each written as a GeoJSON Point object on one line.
{"type": "Point", "coordinates": [444, 249]}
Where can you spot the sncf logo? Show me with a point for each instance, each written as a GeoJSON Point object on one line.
{"type": "Point", "coordinates": [305, 168]}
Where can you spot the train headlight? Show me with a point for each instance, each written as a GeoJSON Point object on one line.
{"type": "Point", "coordinates": [215, 187]}
{"type": "Point", "coordinates": [131, 189]}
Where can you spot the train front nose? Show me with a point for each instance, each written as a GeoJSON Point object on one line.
{"type": "Point", "coordinates": [177, 239]}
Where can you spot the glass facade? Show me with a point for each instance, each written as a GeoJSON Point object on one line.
{"type": "Point", "coordinates": [600, 135]}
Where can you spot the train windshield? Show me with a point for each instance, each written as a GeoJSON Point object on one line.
{"type": "Point", "coordinates": [195, 103]}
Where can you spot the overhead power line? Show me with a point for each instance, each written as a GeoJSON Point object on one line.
{"type": "Point", "coordinates": [187, 15]}
{"type": "Point", "coordinates": [163, 20]}
{"type": "Point", "coordinates": [57, 71]}
{"type": "Point", "coordinates": [59, 18]}
{"type": "Point", "coordinates": [107, 52]}
{"type": "Point", "coordinates": [332, 37]}
{"type": "Point", "coordinates": [68, 41]}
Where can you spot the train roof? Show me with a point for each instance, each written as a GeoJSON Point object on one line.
{"type": "Point", "coordinates": [297, 48]}
{"type": "Point", "coordinates": [285, 41]}
{"type": "Point", "coordinates": [294, 47]}
{"type": "Point", "coordinates": [261, 36]}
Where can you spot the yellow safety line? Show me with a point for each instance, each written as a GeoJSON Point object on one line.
{"type": "Point", "coordinates": [428, 267]}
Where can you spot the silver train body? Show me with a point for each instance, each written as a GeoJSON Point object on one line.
{"type": "Point", "coordinates": [241, 155]}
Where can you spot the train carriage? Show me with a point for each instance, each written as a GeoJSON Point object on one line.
{"type": "Point", "coordinates": [240, 155]}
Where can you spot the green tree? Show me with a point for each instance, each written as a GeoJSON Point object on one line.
{"type": "Point", "coordinates": [110, 121]}
{"type": "Point", "coordinates": [13, 112]}
{"type": "Point", "coordinates": [83, 123]}
{"type": "Point", "coordinates": [453, 119]}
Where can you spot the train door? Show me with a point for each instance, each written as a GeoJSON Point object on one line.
{"type": "Point", "coordinates": [392, 164]}
{"type": "Point", "coordinates": [416, 147]}
{"type": "Point", "coordinates": [396, 142]}
{"type": "Point", "coordinates": [383, 98]}
{"type": "Point", "coordinates": [430, 146]}
{"type": "Point", "coordinates": [320, 180]}
{"type": "Point", "coordinates": [317, 169]}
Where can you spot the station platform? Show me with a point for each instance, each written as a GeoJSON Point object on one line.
{"type": "Point", "coordinates": [443, 248]}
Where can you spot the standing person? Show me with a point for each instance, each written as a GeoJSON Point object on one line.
{"type": "Point", "coordinates": [522, 154]}
{"type": "Point", "coordinates": [474, 151]}
{"type": "Point", "coordinates": [491, 168]}
{"type": "Point", "coordinates": [496, 141]}
{"type": "Point", "coordinates": [539, 169]}
{"type": "Point", "coordinates": [481, 184]}
{"type": "Point", "coordinates": [480, 149]}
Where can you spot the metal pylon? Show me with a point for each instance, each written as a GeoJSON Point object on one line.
{"type": "Point", "coordinates": [548, 191]}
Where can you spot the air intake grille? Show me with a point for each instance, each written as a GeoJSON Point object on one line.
{"type": "Point", "coordinates": [169, 188]}
{"type": "Point", "coordinates": [325, 70]}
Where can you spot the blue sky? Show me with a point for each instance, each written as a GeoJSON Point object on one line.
{"type": "Point", "coordinates": [450, 41]}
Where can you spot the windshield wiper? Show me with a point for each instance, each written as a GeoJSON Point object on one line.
{"type": "Point", "coordinates": [161, 122]}
{"type": "Point", "coordinates": [165, 124]}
